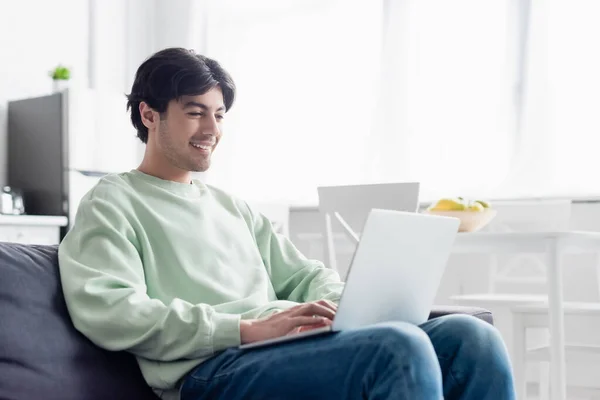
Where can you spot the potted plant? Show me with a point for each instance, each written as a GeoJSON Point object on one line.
{"type": "Point", "coordinates": [60, 78]}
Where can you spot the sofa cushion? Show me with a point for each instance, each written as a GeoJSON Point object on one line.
{"type": "Point", "coordinates": [42, 356]}
{"type": "Point", "coordinates": [481, 313]}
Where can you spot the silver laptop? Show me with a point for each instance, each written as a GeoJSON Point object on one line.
{"type": "Point", "coordinates": [395, 272]}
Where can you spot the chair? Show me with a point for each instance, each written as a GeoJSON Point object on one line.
{"type": "Point", "coordinates": [535, 315]}
{"type": "Point", "coordinates": [507, 269]}
{"type": "Point", "coordinates": [524, 271]}
{"type": "Point", "coordinates": [528, 310]}
{"type": "Point", "coordinates": [350, 205]}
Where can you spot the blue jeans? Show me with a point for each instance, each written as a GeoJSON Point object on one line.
{"type": "Point", "coordinates": [452, 357]}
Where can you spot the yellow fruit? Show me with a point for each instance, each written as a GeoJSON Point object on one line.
{"type": "Point", "coordinates": [449, 205]}
{"type": "Point", "coordinates": [485, 204]}
{"type": "Point", "coordinates": [476, 207]}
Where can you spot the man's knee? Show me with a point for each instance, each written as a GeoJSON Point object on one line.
{"type": "Point", "coordinates": [402, 340]}
{"type": "Point", "coordinates": [474, 336]}
{"type": "Point", "coordinates": [400, 350]}
{"type": "Point", "coordinates": [470, 329]}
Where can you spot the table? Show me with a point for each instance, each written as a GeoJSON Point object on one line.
{"type": "Point", "coordinates": [554, 245]}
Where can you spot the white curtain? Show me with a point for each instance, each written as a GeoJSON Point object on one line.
{"type": "Point", "coordinates": [306, 73]}
{"type": "Point", "coordinates": [558, 153]}
{"type": "Point", "coordinates": [334, 92]}
{"type": "Point", "coordinates": [476, 98]}
{"type": "Point", "coordinates": [445, 115]}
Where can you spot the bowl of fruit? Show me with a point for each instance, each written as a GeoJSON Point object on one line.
{"type": "Point", "coordinates": [473, 214]}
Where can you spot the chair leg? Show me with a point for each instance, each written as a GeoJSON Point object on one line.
{"type": "Point", "coordinates": [493, 273]}
{"type": "Point", "coordinates": [329, 246]}
{"type": "Point", "coordinates": [519, 356]}
{"type": "Point", "coordinates": [598, 273]}
{"type": "Point", "coordinates": [544, 380]}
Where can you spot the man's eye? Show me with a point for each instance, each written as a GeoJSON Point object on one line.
{"type": "Point", "coordinates": [219, 117]}
{"type": "Point", "coordinates": [196, 114]}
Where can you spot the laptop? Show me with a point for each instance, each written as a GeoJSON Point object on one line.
{"type": "Point", "coordinates": [394, 275]}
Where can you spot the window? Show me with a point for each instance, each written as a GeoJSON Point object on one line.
{"type": "Point", "coordinates": [306, 74]}
{"type": "Point", "coordinates": [560, 141]}
{"type": "Point", "coordinates": [449, 120]}
{"type": "Point", "coordinates": [491, 99]}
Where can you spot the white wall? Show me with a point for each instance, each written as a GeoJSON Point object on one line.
{"type": "Point", "coordinates": [108, 45]}
{"type": "Point", "coordinates": [35, 36]}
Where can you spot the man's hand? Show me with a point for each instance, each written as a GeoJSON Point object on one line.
{"type": "Point", "coordinates": [295, 319]}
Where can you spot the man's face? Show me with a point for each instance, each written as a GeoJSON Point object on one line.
{"type": "Point", "coordinates": [190, 130]}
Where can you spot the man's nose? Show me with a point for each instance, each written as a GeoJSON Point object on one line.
{"type": "Point", "coordinates": [211, 127]}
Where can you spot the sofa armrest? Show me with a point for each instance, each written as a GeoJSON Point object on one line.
{"type": "Point", "coordinates": [481, 313]}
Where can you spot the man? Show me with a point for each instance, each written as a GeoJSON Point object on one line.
{"type": "Point", "coordinates": [180, 273]}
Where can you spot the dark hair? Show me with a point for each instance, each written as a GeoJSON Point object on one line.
{"type": "Point", "coordinates": [170, 74]}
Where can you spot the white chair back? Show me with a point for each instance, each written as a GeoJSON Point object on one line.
{"type": "Point", "coordinates": [525, 269]}
{"type": "Point", "coordinates": [350, 205]}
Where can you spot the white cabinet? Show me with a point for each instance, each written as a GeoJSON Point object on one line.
{"type": "Point", "coordinates": [31, 229]}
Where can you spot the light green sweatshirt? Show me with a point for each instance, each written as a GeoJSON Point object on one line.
{"type": "Point", "coordinates": [166, 271]}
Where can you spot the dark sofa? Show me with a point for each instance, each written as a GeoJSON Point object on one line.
{"type": "Point", "coordinates": [42, 356]}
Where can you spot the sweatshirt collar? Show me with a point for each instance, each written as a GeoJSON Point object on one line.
{"type": "Point", "coordinates": [194, 188]}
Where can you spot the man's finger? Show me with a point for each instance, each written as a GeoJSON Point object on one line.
{"type": "Point", "coordinates": [310, 309]}
{"type": "Point", "coordinates": [307, 328]}
{"type": "Point", "coordinates": [328, 311]}
{"type": "Point", "coordinates": [329, 304]}
{"type": "Point", "coordinates": [296, 322]}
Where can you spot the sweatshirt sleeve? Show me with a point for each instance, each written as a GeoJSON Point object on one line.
{"type": "Point", "coordinates": [105, 291]}
{"type": "Point", "coordinates": [294, 277]}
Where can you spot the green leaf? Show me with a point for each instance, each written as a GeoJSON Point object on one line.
{"type": "Point", "coordinates": [61, 73]}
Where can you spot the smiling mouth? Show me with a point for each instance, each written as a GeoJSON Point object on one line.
{"type": "Point", "coordinates": [204, 147]}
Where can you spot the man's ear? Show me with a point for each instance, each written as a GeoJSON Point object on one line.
{"type": "Point", "coordinates": [149, 117]}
